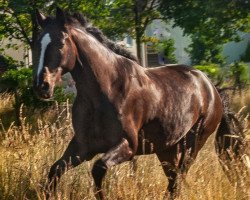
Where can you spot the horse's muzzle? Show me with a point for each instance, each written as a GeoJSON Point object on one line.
{"type": "Point", "coordinates": [44, 91]}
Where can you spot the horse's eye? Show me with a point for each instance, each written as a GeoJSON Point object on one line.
{"type": "Point", "coordinates": [59, 45]}
{"type": "Point", "coordinates": [64, 40]}
{"type": "Point", "coordinates": [65, 35]}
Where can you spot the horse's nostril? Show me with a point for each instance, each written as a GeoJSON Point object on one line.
{"type": "Point", "coordinates": [45, 86]}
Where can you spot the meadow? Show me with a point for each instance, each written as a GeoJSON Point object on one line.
{"type": "Point", "coordinates": [28, 151]}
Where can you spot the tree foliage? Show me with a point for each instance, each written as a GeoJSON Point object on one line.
{"type": "Point", "coordinates": [7, 62]}
{"type": "Point", "coordinates": [18, 19]}
{"type": "Point", "coordinates": [119, 17]}
{"type": "Point", "coordinates": [166, 47]}
{"type": "Point", "coordinates": [239, 74]}
{"type": "Point", "coordinates": [225, 17]}
{"type": "Point", "coordinates": [210, 24]}
{"type": "Point", "coordinates": [204, 49]}
{"type": "Point", "coordinates": [213, 71]}
{"type": "Point", "coordinates": [246, 56]}
{"type": "Point", "coordinates": [114, 17]}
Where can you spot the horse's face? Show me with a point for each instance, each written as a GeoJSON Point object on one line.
{"type": "Point", "coordinates": [54, 55]}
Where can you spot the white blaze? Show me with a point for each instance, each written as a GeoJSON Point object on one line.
{"type": "Point", "coordinates": [44, 43]}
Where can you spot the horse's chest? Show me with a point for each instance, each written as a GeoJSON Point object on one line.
{"type": "Point", "coordinates": [105, 120]}
{"type": "Point", "coordinates": [106, 128]}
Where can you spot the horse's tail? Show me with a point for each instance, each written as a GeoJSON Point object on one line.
{"type": "Point", "coordinates": [231, 144]}
{"type": "Point", "coordinates": [230, 133]}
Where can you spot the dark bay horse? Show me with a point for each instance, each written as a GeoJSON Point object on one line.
{"type": "Point", "coordinates": [122, 109]}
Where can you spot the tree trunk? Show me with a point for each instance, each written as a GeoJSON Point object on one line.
{"type": "Point", "coordinates": [137, 32]}
{"type": "Point", "coordinates": [35, 33]}
{"type": "Point", "coordinates": [138, 47]}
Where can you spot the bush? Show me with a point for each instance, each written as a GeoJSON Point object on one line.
{"type": "Point", "coordinates": [213, 71]}
{"type": "Point", "coordinates": [235, 74]}
{"type": "Point", "coordinates": [60, 96]}
{"type": "Point", "coordinates": [19, 82]}
{"type": "Point", "coordinates": [18, 77]}
{"type": "Point", "coordinates": [167, 48]}
{"type": "Point", "coordinates": [203, 49]}
{"type": "Point", "coordinates": [7, 62]}
{"type": "Point", "coordinates": [238, 73]}
{"type": "Point", "coordinates": [246, 56]}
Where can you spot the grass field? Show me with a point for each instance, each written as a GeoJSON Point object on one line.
{"type": "Point", "coordinates": [27, 152]}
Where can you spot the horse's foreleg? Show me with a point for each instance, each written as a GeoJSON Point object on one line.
{"type": "Point", "coordinates": [120, 153]}
{"type": "Point", "coordinates": [73, 156]}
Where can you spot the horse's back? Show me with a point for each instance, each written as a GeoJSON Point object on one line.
{"type": "Point", "coordinates": [188, 95]}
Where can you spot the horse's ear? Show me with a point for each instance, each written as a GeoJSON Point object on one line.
{"type": "Point", "coordinates": [60, 16]}
{"type": "Point", "coordinates": [41, 19]}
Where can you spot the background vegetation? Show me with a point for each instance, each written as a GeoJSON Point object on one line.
{"type": "Point", "coordinates": [209, 24]}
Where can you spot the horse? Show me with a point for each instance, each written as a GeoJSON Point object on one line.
{"type": "Point", "coordinates": [121, 108]}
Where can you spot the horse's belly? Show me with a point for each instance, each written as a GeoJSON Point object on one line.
{"type": "Point", "coordinates": [151, 138]}
{"type": "Point", "coordinates": [161, 133]}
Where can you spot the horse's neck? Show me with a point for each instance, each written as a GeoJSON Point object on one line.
{"type": "Point", "coordinates": [105, 65]}
{"type": "Point", "coordinates": [86, 85]}
{"type": "Point", "coordinates": [92, 54]}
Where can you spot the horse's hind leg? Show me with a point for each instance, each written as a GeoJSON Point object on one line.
{"type": "Point", "coordinates": [120, 153]}
{"type": "Point", "coordinates": [177, 159]}
{"type": "Point", "coordinates": [73, 156]}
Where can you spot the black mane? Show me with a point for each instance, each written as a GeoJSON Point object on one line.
{"type": "Point", "coordinates": [80, 21]}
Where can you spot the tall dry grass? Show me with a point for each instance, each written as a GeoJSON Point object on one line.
{"type": "Point", "coordinates": [26, 154]}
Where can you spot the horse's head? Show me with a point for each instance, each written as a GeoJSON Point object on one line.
{"type": "Point", "coordinates": [54, 54]}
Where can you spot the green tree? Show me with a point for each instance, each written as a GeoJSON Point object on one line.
{"type": "Point", "coordinates": [246, 56]}
{"type": "Point", "coordinates": [213, 71]}
{"type": "Point", "coordinates": [144, 12]}
{"type": "Point", "coordinates": [18, 17]}
{"type": "Point", "coordinates": [210, 24]}
{"type": "Point", "coordinates": [114, 17]}
{"type": "Point", "coordinates": [204, 49]}
{"type": "Point", "coordinates": [167, 48]}
{"type": "Point", "coordinates": [238, 72]}
{"type": "Point", "coordinates": [17, 20]}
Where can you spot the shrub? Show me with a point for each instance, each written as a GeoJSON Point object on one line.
{"type": "Point", "coordinates": [212, 70]}
{"type": "Point", "coordinates": [246, 56]}
{"type": "Point", "coordinates": [238, 73]}
{"type": "Point", "coordinates": [19, 82]}
{"type": "Point", "coordinates": [7, 62]}
{"type": "Point", "coordinates": [60, 96]}
{"type": "Point", "coordinates": [233, 75]}
{"type": "Point", "coordinates": [167, 48]}
{"type": "Point", "coordinates": [203, 49]}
